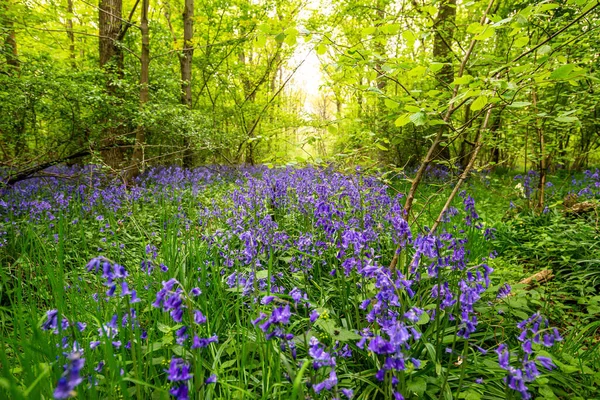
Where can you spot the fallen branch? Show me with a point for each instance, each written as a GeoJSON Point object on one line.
{"type": "Point", "coordinates": [539, 278]}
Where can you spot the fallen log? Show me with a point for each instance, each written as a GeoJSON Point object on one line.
{"type": "Point", "coordinates": [539, 278]}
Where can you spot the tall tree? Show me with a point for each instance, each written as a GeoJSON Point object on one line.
{"type": "Point", "coordinates": [442, 53]}
{"type": "Point", "coordinates": [70, 33]}
{"type": "Point", "coordinates": [10, 47]}
{"type": "Point", "coordinates": [111, 59]}
{"type": "Point", "coordinates": [140, 136]}
{"type": "Point", "coordinates": [111, 27]}
{"type": "Point", "coordinates": [185, 62]}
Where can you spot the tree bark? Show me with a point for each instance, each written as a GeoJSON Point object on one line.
{"type": "Point", "coordinates": [10, 44]}
{"type": "Point", "coordinates": [140, 136]}
{"type": "Point", "coordinates": [110, 26]}
{"type": "Point", "coordinates": [70, 33]}
{"type": "Point", "coordinates": [442, 53]}
{"type": "Point", "coordinates": [111, 60]}
{"type": "Point", "coordinates": [185, 62]}
{"type": "Point", "coordinates": [542, 164]}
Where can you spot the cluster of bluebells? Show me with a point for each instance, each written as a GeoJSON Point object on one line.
{"type": "Point", "coordinates": [71, 378]}
{"type": "Point", "coordinates": [533, 331]}
{"type": "Point", "coordinates": [469, 204]}
{"type": "Point", "coordinates": [275, 324]}
{"type": "Point", "coordinates": [351, 222]}
{"type": "Point", "coordinates": [589, 186]}
{"type": "Point", "coordinates": [179, 374]}
{"type": "Point", "coordinates": [114, 275]}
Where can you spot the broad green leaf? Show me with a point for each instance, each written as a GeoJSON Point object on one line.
{"type": "Point", "coordinates": [435, 67]}
{"type": "Point", "coordinates": [475, 27]}
{"type": "Point", "coordinates": [463, 80]}
{"type": "Point", "coordinates": [391, 104]}
{"type": "Point", "coordinates": [291, 35]}
{"type": "Point", "coordinates": [431, 10]}
{"type": "Point", "coordinates": [402, 120]}
{"type": "Point", "coordinates": [567, 119]}
{"type": "Point", "coordinates": [433, 122]}
{"type": "Point", "coordinates": [321, 49]}
{"type": "Point", "coordinates": [417, 385]}
{"type": "Point", "coordinates": [470, 395]}
{"type": "Point", "coordinates": [547, 6]}
{"type": "Point", "coordinates": [418, 118]}
{"type": "Point", "coordinates": [261, 40]}
{"type": "Point", "coordinates": [520, 42]}
{"type": "Point", "coordinates": [280, 37]}
{"type": "Point", "coordinates": [290, 40]}
{"type": "Point", "coordinates": [487, 33]}
{"type": "Point", "coordinates": [562, 72]}
{"type": "Point", "coordinates": [593, 309]}
{"type": "Point", "coordinates": [545, 49]}
{"type": "Point", "coordinates": [393, 29]}
{"type": "Point", "coordinates": [369, 30]}
{"type": "Point", "coordinates": [262, 274]}
{"type": "Point", "coordinates": [411, 108]}
{"type": "Point", "coordinates": [479, 103]}
{"type": "Point", "coordinates": [410, 38]}
{"type": "Point", "coordinates": [547, 393]}
{"type": "Point", "coordinates": [423, 319]}
{"type": "Point", "coordinates": [519, 104]}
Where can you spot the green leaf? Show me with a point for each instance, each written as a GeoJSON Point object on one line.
{"type": "Point", "coordinates": [163, 328]}
{"type": "Point", "coordinates": [470, 395]}
{"type": "Point", "coordinates": [433, 122]}
{"type": "Point", "coordinates": [280, 37]}
{"type": "Point", "coordinates": [566, 119]}
{"type": "Point", "coordinates": [435, 67]}
{"type": "Point", "coordinates": [418, 118]}
{"type": "Point", "coordinates": [368, 31]}
{"type": "Point", "coordinates": [475, 27]}
{"type": "Point", "coordinates": [463, 80]}
{"type": "Point", "coordinates": [519, 104]}
{"type": "Point", "coordinates": [402, 120]}
{"type": "Point", "coordinates": [321, 49]}
{"type": "Point", "coordinates": [336, 332]}
{"type": "Point", "coordinates": [487, 33]}
{"type": "Point", "coordinates": [262, 274]}
{"type": "Point", "coordinates": [261, 40]}
{"type": "Point", "coordinates": [410, 38]}
{"type": "Point", "coordinates": [418, 386]}
{"type": "Point", "coordinates": [520, 42]}
{"type": "Point", "coordinates": [412, 108]}
{"type": "Point", "coordinates": [593, 309]}
{"type": "Point", "coordinates": [423, 319]}
{"type": "Point", "coordinates": [479, 103]}
{"type": "Point", "coordinates": [545, 49]}
{"type": "Point", "coordinates": [381, 147]}
{"type": "Point", "coordinates": [547, 393]}
{"type": "Point", "coordinates": [291, 34]}
{"type": "Point", "coordinates": [562, 72]}
{"type": "Point", "coordinates": [391, 104]}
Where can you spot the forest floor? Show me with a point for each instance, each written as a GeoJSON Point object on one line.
{"type": "Point", "coordinates": [258, 283]}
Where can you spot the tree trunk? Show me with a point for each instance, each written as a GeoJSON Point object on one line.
{"type": "Point", "coordinates": [14, 69]}
{"type": "Point", "coordinates": [542, 164]}
{"type": "Point", "coordinates": [70, 33]}
{"type": "Point", "coordinates": [442, 53]}
{"type": "Point", "coordinates": [111, 59]}
{"type": "Point", "coordinates": [10, 45]}
{"type": "Point", "coordinates": [185, 62]}
{"type": "Point", "coordinates": [110, 26]}
{"type": "Point", "coordinates": [140, 136]}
